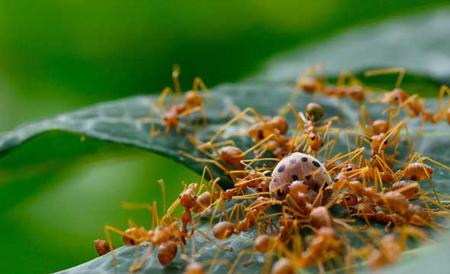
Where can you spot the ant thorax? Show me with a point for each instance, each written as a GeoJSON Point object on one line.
{"type": "Point", "coordinates": [294, 167]}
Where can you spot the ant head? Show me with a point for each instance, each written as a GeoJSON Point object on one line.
{"type": "Point", "coordinates": [223, 230]}
{"type": "Point", "coordinates": [314, 111]}
{"type": "Point", "coordinates": [167, 252]}
{"type": "Point", "coordinates": [380, 126]}
{"type": "Point", "coordinates": [279, 123]}
{"type": "Point", "coordinates": [378, 141]}
{"type": "Point", "coordinates": [231, 155]}
{"type": "Point", "coordinates": [188, 198]}
{"type": "Point", "coordinates": [320, 217]}
{"type": "Point", "coordinates": [308, 84]}
{"type": "Point", "coordinates": [193, 99]}
{"type": "Point", "coordinates": [357, 93]}
{"type": "Point", "coordinates": [397, 96]}
{"type": "Point", "coordinates": [315, 141]}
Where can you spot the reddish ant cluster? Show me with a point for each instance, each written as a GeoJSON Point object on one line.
{"type": "Point", "coordinates": [304, 209]}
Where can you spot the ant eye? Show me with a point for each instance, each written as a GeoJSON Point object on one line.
{"type": "Point", "coordinates": [349, 169]}
{"type": "Point", "coordinates": [336, 179]}
{"type": "Point", "coordinates": [371, 139]}
{"type": "Point", "coordinates": [313, 137]}
{"type": "Point", "coordinates": [396, 98]}
{"type": "Point", "coordinates": [385, 142]}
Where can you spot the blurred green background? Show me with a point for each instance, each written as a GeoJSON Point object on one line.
{"type": "Point", "coordinates": [58, 56]}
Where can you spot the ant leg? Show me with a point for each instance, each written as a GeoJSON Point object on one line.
{"type": "Point", "coordinates": [170, 210]}
{"type": "Point", "coordinates": [155, 215]}
{"type": "Point", "coordinates": [213, 215]}
{"type": "Point", "coordinates": [160, 102]}
{"type": "Point", "coordinates": [393, 131]}
{"type": "Point", "coordinates": [425, 158]}
{"type": "Point", "coordinates": [399, 71]}
{"type": "Point", "coordinates": [199, 83]}
{"type": "Point", "coordinates": [163, 192]}
{"type": "Point", "coordinates": [200, 160]}
{"type": "Point", "coordinates": [232, 121]}
{"type": "Point", "coordinates": [260, 143]}
{"type": "Point", "coordinates": [190, 111]}
{"type": "Point", "coordinates": [235, 211]}
{"type": "Point", "coordinates": [383, 164]}
{"type": "Point", "coordinates": [203, 148]}
{"type": "Point", "coordinates": [220, 246]}
{"type": "Point", "coordinates": [225, 143]}
{"type": "Point", "coordinates": [136, 266]}
{"type": "Point", "coordinates": [153, 132]}
{"type": "Point", "coordinates": [409, 231]}
{"type": "Point", "coordinates": [146, 206]}
{"type": "Point", "coordinates": [176, 79]}
{"type": "Point", "coordinates": [427, 199]}
{"type": "Point", "coordinates": [341, 78]}
{"type": "Point", "coordinates": [241, 254]}
{"type": "Point", "coordinates": [291, 107]}
{"type": "Point", "coordinates": [442, 92]}
{"type": "Point", "coordinates": [346, 75]}
{"type": "Point", "coordinates": [365, 121]}
{"type": "Point", "coordinates": [325, 135]}
{"type": "Point", "coordinates": [205, 169]}
{"type": "Point", "coordinates": [107, 229]}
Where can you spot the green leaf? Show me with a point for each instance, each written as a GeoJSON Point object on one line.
{"type": "Point", "coordinates": [125, 121]}
{"type": "Point", "coordinates": [418, 43]}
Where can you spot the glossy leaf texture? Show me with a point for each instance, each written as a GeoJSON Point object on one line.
{"type": "Point", "coordinates": [418, 43]}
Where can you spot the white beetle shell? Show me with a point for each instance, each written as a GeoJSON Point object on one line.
{"type": "Point", "coordinates": [297, 166]}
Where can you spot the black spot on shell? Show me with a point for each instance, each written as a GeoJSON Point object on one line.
{"type": "Point", "coordinates": [281, 168]}
{"type": "Point", "coordinates": [295, 177]}
{"type": "Point", "coordinates": [280, 193]}
{"type": "Point", "coordinates": [316, 164]}
{"type": "Point", "coordinates": [304, 159]}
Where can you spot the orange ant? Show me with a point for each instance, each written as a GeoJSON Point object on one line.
{"type": "Point", "coordinates": [226, 155]}
{"type": "Point", "coordinates": [391, 248]}
{"type": "Point", "coordinates": [223, 230]}
{"type": "Point", "coordinates": [389, 252]}
{"type": "Point", "coordinates": [313, 134]}
{"type": "Point", "coordinates": [323, 246]}
{"type": "Point", "coordinates": [188, 201]}
{"type": "Point", "coordinates": [102, 247]}
{"type": "Point", "coordinates": [167, 252]}
{"type": "Point", "coordinates": [311, 83]}
{"type": "Point", "coordinates": [417, 170]}
{"type": "Point", "coordinates": [414, 103]}
{"type": "Point", "coordinates": [192, 102]}
{"type": "Point", "coordinates": [268, 133]}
